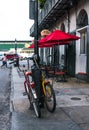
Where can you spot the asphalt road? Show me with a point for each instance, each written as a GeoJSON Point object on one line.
{"type": "Point", "coordinates": [5, 89]}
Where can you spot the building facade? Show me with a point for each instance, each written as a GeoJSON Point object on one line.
{"type": "Point", "coordinates": [71, 16]}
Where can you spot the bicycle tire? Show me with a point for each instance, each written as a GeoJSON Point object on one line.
{"type": "Point", "coordinates": [37, 108]}
{"type": "Point", "coordinates": [29, 95]}
{"type": "Point", "coordinates": [33, 99]}
{"type": "Point", "coordinates": [35, 104]}
{"type": "Point", "coordinates": [50, 99]}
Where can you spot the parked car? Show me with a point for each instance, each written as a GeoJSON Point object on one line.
{"type": "Point", "coordinates": [13, 56]}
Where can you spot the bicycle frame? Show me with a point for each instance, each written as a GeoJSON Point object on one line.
{"type": "Point", "coordinates": [44, 83]}
{"type": "Point", "coordinates": [27, 80]}
{"type": "Point", "coordinates": [45, 92]}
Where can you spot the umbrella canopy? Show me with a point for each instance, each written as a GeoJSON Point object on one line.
{"type": "Point", "coordinates": [31, 46]}
{"type": "Point", "coordinates": [53, 44]}
{"type": "Point", "coordinates": [41, 46]}
{"type": "Point", "coordinates": [48, 44]}
{"type": "Point", "coordinates": [58, 36]}
{"type": "Point", "coordinates": [43, 43]}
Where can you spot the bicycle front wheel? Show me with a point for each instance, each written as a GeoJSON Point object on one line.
{"type": "Point", "coordinates": [50, 99]}
{"type": "Point", "coordinates": [35, 104]}
{"type": "Point", "coordinates": [36, 108]}
{"type": "Point", "coordinates": [33, 101]}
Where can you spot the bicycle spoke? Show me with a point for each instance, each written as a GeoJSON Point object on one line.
{"type": "Point", "coordinates": [50, 98]}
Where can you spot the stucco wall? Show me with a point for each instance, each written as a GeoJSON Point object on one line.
{"type": "Point", "coordinates": [80, 63]}
{"type": "Point", "coordinates": [81, 58]}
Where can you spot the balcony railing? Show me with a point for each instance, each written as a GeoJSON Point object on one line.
{"type": "Point", "coordinates": [44, 12]}
{"type": "Point", "coordinates": [47, 8]}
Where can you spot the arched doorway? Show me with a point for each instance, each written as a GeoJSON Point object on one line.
{"type": "Point", "coordinates": [83, 29]}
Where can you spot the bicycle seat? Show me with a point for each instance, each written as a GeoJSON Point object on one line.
{"type": "Point", "coordinates": [28, 73]}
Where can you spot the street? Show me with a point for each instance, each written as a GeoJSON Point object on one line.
{"type": "Point", "coordinates": [5, 89]}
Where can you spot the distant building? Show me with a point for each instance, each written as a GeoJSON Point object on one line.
{"type": "Point", "coordinates": [7, 45]}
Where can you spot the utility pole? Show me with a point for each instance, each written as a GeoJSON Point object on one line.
{"type": "Point", "coordinates": [15, 46]}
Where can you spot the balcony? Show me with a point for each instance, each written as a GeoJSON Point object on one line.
{"type": "Point", "coordinates": [53, 10]}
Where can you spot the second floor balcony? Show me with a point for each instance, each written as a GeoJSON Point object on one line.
{"type": "Point", "coordinates": [53, 11]}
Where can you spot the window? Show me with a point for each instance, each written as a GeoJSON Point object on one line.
{"type": "Point", "coordinates": [82, 22]}
{"type": "Point", "coordinates": [83, 42]}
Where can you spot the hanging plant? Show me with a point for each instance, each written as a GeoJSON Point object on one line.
{"type": "Point", "coordinates": [42, 2]}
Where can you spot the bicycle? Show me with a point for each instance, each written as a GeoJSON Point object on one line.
{"type": "Point", "coordinates": [44, 94]}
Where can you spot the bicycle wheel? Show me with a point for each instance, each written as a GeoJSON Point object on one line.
{"type": "Point", "coordinates": [50, 99]}
{"type": "Point", "coordinates": [35, 103]}
{"type": "Point", "coordinates": [28, 92]}
{"type": "Point", "coordinates": [32, 97]}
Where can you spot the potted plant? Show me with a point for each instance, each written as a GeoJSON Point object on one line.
{"type": "Point", "coordinates": [41, 2]}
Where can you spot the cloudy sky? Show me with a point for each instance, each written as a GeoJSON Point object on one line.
{"type": "Point", "coordinates": [14, 20]}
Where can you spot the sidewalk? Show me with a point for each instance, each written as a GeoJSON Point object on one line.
{"type": "Point", "coordinates": [17, 97]}
{"type": "Point", "coordinates": [68, 94]}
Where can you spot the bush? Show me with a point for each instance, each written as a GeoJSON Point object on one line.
{"type": "Point", "coordinates": [42, 2]}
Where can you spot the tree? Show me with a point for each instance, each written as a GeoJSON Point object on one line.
{"type": "Point", "coordinates": [42, 2]}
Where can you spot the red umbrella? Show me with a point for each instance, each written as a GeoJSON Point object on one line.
{"type": "Point", "coordinates": [41, 46]}
{"type": "Point", "coordinates": [42, 42]}
{"type": "Point", "coordinates": [49, 44]}
{"type": "Point", "coordinates": [53, 44]}
{"type": "Point", "coordinates": [58, 36]}
{"type": "Point", "coordinates": [31, 46]}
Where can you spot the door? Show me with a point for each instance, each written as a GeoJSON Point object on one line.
{"type": "Point", "coordinates": [71, 59]}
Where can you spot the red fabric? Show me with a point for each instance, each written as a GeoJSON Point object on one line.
{"type": "Point", "coordinates": [53, 44]}
{"type": "Point", "coordinates": [60, 73]}
{"type": "Point", "coordinates": [58, 36]}
{"type": "Point", "coordinates": [48, 44]}
{"type": "Point", "coordinates": [31, 46]}
{"type": "Point", "coordinates": [41, 46]}
{"type": "Point", "coordinates": [82, 73]}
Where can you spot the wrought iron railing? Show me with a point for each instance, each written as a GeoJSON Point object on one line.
{"type": "Point", "coordinates": [45, 11]}
{"type": "Point", "coordinates": [47, 8]}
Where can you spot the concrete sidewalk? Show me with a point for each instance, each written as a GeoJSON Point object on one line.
{"type": "Point", "coordinates": [17, 97]}
{"type": "Point", "coordinates": [68, 94]}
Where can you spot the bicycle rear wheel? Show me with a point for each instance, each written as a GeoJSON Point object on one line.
{"type": "Point", "coordinates": [50, 99]}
